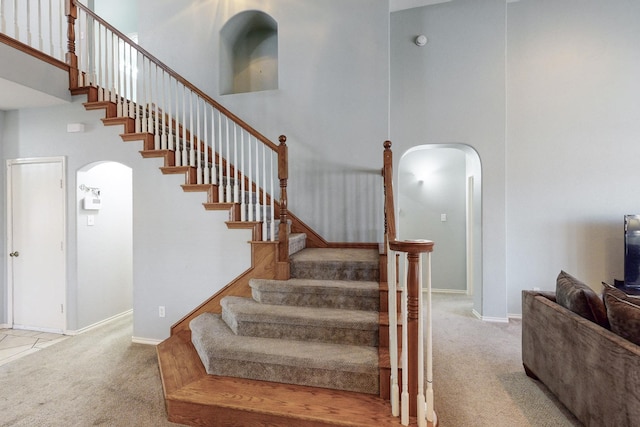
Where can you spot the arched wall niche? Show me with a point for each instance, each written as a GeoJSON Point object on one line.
{"type": "Point", "coordinates": [249, 53]}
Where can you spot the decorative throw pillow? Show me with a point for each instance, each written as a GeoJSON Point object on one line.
{"type": "Point", "coordinates": [624, 317]}
{"type": "Point", "coordinates": [574, 295]}
{"type": "Point", "coordinates": [609, 289]}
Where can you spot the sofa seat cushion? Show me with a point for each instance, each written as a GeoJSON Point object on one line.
{"type": "Point", "coordinates": [574, 295]}
{"type": "Point", "coordinates": [624, 316]}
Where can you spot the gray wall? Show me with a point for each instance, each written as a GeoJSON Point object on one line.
{"type": "Point", "coordinates": [573, 88]}
{"type": "Point", "coordinates": [453, 91]}
{"type": "Point", "coordinates": [332, 101]}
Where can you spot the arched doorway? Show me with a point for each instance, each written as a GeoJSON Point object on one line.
{"type": "Point", "coordinates": [104, 232]}
{"type": "Point", "coordinates": [439, 199]}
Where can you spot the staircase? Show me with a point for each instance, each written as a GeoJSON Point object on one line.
{"type": "Point", "coordinates": [298, 352]}
{"type": "Point", "coordinates": [320, 332]}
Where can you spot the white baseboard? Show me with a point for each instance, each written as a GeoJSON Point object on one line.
{"type": "Point", "coordinates": [448, 291]}
{"type": "Point", "coordinates": [146, 341]}
{"type": "Point", "coordinates": [514, 316]}
{"type": "Point", "coordinates": [95, 325]}
{"type": "Point", "coordinates": [490, 319]}
{"type": "Point", "coordinates": [5, 326]}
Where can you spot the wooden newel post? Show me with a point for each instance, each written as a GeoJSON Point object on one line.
{"type": "Point", "coordinates": [71, 12]}
{"type": "Point", "coordinates": [283, 235]}
{"type": "Point", "coordinates": [414, 249]}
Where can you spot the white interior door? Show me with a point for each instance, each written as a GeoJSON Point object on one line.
{"type": "Point", "coordinates": [36, 243]}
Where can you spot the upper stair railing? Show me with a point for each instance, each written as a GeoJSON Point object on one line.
{"type": "Point", "coordinates": [38, 24]}
{"type": "Point", "coordinates": [412, 401]}
{"type": "Point", "coordinates": [246, 167]}
{"type": "Point", "coordinates": [224, 150]}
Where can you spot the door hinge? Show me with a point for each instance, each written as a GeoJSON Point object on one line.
{"type": "Point", "coordinates": [61, 308]}
{"type": "Point", "coordinates": [61, 184]}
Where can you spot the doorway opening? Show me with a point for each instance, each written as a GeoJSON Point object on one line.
{"type": "Point", "coordinates": [439, 199]}
{"type": "Point", "coordinates": [104, 232]}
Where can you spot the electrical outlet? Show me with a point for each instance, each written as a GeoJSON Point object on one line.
{"type": "Point", "coordinates": [161, 311]}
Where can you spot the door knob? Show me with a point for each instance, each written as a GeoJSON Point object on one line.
{"type": "Point", "coordinates": [14, 254]}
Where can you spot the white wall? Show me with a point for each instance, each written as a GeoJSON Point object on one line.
{"type": "Point", "coordinates": [104, 242]}
{"type": "Point", "coordinates": [573, 91]}
{"type": "Point", "coordinates": [332, 101]}
{"type": "Point", "coordinates": [181, 253]}
{"type": "Point", "coordinates": [3, 230]}
{"type": "Point", "coordinates": [453, 91]}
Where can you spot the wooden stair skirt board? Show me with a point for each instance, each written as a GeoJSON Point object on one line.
{"type": "Point", "coordinates": [197, 399]}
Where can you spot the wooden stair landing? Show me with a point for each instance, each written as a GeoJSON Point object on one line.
{"type": "Point", "coordinates": [197, 399]}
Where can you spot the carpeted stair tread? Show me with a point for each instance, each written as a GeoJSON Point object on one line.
{"type": "Point", "coordinates": [341, 367]}
{"type": "Point", "coordinates": [344, 294]}
{"type": "Point", "coordinates": [336, 264]}
{"type": "Point", "coordinates": [247, 317]}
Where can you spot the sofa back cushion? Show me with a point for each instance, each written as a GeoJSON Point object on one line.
{"type": "Point", "coordinates": [574, 295]}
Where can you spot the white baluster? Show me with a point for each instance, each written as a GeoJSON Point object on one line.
{"type": "Point", "coordinates": [40, 41]}
{"type": "Point", "coordinates": [157, 132]}
{"type": "Point", "coordinates": [420, 400]}
{"type": "Point", "coordinates": [51, 15]}
{"type": "Point", "coordinates": [264, 193]}
{"type": "Point", "coordinates": [243, 200]}
{"type": "Point", "coordinates": [228, 194]}
{"type": "Point", "coordinates": [271, 205]}
{"type": "Point", "coordinates": [199, 143]}
{"type": "Point", "coordinates": [185, 159]}
{"type": "Point", "coordinates": [16, 27]}
{"type": "Point", "coordinates": [3, 21]}
{"type": "Point", "coordinates": [114, 69]}
{"type": "Point", "coordinates": [170, 133]}
{"type": "Point", "coordinates": [163, 122]}
{"type": "Point", "coordinates": [205, 161]}
{"type": "Point", "coordinates": [151, 96]}
{"type": "Point", "coordinates": [192, 152]}
{"type": "Point", "coordinates": [220, 169]}
{"type": "Point", "coordinates": [29, 23]}
{"type": "Point", "coordinates": [236, 190]}
{"type": "Point", "coordinates": [393, 330]}
{"type": "Point", "coordinates": [252, 215]}
{"type": "Point", "coordinates": [404, 413]}
{"type": "Point", "coordinates": [99, 63]}
{"type": "Point", "coordinates": [133, 86]}
{"type": "Point", "coordinates": [430, 396]}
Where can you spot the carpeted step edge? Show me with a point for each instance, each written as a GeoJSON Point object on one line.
{"type": "Point", "coordinates": [351, 368]}
{"type": "Point", "coordinates": [345, 294]}
{"type": "Point", "coordinates": [247, 317]}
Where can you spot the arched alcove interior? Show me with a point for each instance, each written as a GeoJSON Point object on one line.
{"type": "Point", "coordinates": [439, 199]}
{"type": "Point", "coordinates": [249, 53]}
{"type": "Point", "coordinates": [104, 231]}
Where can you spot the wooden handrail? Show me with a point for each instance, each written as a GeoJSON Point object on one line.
{"type": "Point", "coordinates": [72, 60]}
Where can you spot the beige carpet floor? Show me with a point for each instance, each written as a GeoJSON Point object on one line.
{"type": "Point", "coordinates": [478, 376]}
{"type": "Point", "coordinates": [100, 378]}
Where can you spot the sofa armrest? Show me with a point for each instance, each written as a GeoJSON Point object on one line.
{"type": "Point", "coordinates": [592, 371]}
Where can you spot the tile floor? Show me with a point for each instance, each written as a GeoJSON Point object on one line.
{"type": "Point", "coordinates": [16, 343]}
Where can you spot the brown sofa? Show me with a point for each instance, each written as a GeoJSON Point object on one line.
{"type": "Point", "coordinates": [593, 371]}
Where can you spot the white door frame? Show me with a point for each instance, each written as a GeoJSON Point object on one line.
{"type": "Point", "coordinates": [9, 234]}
